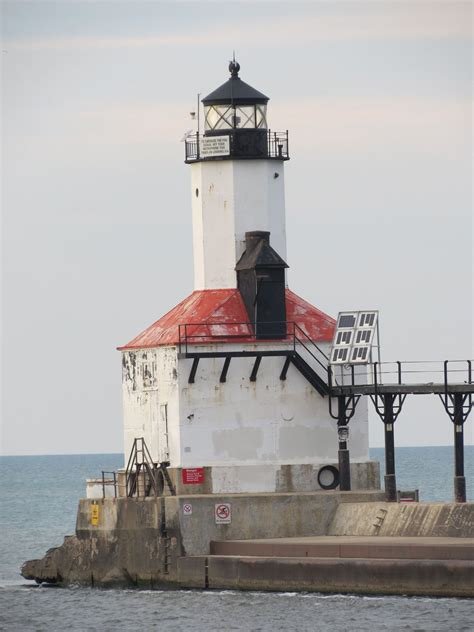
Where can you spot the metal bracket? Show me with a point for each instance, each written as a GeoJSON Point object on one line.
{"type": "Point", "coordinates": [284, 370]}
{"type": "Point", "coordinates": [458, 405]}
{"type": "Point", "coordinates": [225, 368]}
{"type": "Point", "coordinates": [253, 375]}
{"type": "Point", "coordinates": [380, 402]}
{"type": "Point", "coordinates": [192, 374]}
{"type": "Point", "coordinates": [346, 407]}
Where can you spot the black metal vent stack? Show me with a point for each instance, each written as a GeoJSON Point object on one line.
{"type": "Point", "coordinates": [261, 281]}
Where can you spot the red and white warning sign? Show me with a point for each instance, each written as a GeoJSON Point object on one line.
{"type": "Point", "coordinates": [192, 475]}
{"type": "Point", "coordinates": [187, 509]}
{"type": "Point", "coordinates": [223, 513]}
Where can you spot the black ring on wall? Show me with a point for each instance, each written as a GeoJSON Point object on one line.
{"type": "Point", "coordinates": [334, 471]}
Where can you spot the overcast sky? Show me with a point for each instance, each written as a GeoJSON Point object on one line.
{"type": "Point", "coordinates": [96, 197]}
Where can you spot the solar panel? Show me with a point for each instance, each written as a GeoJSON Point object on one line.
{"type": "Point", "coordinates": [367, 319]}
{"type": "Point", "coordinates": [363, 336]}
{"type": "Point", "coordinates": [344, 337]}
{"type": "Point", "coordinates": [346, 320]}
{"type": "Point", "coordinates": [339, 355]}
{"type": "Point", "coordinates": [360, 354]}
{"type": "Point", "coordinates": [353, 338]}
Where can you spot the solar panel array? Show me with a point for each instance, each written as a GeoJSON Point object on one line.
{"type": "Point", "coordinates": [353, 338]}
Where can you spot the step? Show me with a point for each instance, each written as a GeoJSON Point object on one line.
{"type": "Point", "coordinates": [370, 547]}
{"type": "Point", "coordinates": [443, 578]}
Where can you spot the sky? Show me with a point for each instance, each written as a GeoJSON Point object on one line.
{"type": "Point", "coordinates": [96, 200]}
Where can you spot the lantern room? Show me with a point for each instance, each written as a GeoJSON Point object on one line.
{"type": "Point", "coordinates": [234, 105]}
{"type": "Point", "coordinates": [235, 125]}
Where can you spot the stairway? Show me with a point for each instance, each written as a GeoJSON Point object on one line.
{"type": "Point", "coordinates": [310, 374]}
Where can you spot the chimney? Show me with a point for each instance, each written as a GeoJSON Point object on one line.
{"type": "Point", "coordinates": [261, 282]}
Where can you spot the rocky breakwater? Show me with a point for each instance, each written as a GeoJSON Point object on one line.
{"type": "Point", "coordinates": [117, 541]}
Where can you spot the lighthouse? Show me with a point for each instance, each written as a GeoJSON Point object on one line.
{"type": "Point", "coordinates": [230, 388]}
{"type": "Point", "coordinates": [236, 428]}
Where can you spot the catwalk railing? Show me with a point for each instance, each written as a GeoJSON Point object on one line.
{"type": "Point", "coordinates": [409, 376]}
{"type": "Point", "coordinates": [276, 146]}
{"type": "Point", "coordinates": [196, 339]}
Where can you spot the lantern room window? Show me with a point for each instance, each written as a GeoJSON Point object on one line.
{"type": "Point", "coordinates": [219, 117]}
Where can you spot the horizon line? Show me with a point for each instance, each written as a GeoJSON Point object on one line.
{"type": "Point", "coordinates": [467, 445]}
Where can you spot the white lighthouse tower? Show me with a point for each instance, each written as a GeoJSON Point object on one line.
{"type": "Point", "coordinates": [230, 387]}
{"type": "Point", "coordinates": [237, 179]}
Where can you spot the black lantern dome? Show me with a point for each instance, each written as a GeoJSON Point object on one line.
{"type": "Point", "coordinates": [235, 105]}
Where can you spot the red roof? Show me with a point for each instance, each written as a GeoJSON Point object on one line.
{"type": "Point", "coordinates": [220, 316]}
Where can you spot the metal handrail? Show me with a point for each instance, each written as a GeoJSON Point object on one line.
{"type": "Point", "coordinates": [314, 345]}
{"type": "Point", "coordinates": [294, 335]}
{"type": "Point", "coordinates": [108, 482]}
{"type": "Point", "coordinates": [277, 145]}
{"type": "Point", "coordinates": [291, 333]}
{"type": "Point", "coordinates": [404, 373]}
{"type": "Point", "coordinates": [140, 461]}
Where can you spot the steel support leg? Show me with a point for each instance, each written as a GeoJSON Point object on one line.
{"type": "Point", "coordinates": [388, 406]}
{"type": "Point", "coordinates": [390, 479]}
{"type": "Point", "coordinates": [343, 453]}
{"type": "Point", "coordinates": [459, 478]}
{"type": "Point", "coordinates": [344, 467]}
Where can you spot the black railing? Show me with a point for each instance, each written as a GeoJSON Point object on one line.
{"type": "Point", "coordinates": [406, 373]}
{"type": "Point", "coordinates": [144, 477]}
{"type": "Point", "coordinates": [108, 481]}
{"type": "Point", "coordinates": [191, 146]}
{"type": "Point", "coordinates": [140, 473]}
{"type": "Point", "coordinates": [295, 338]}
{"type": "Point", "coordinates": [276, 145]}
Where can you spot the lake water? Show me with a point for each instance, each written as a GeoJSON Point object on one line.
{"type": "Point", "coordinates": [38, 502]}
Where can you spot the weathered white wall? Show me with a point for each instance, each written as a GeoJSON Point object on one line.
{"type": "Point", "coordinates": [151, 402]}
{"type": "Point", "coordinates": [251, 423]}
{"type": "Point", "coordinates": [234, 196]}
{"type": "Point", "coordinates": [259, 199]}
{"type": "Point", "coordinates": [244, 430]}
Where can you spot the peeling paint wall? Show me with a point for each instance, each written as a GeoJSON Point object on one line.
{"type": "Point", "coordinates": [233, 426]}
{"type": "Point", "coordinates": [150, 401]}
{"type": "Point", "coordinates": [230, 197]}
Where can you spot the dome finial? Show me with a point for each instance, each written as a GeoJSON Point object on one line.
{"type": "Point", "coordinates": [234, 67]}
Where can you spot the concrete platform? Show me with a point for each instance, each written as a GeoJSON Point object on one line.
{"type": "Point", "coordinates": [369, 565]}
{"type": "Point", "coordinates": [322, 541]}
{"type": "Point", "coordinates": [368, 547]}
{"type": "Point", "coordinates": [441, 578]}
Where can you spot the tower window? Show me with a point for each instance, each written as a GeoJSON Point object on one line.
{"type": "Point", "coordinates": [235, 117]}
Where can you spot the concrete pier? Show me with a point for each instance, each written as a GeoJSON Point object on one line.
{"type": "Point", "coordinates": [320, 541]}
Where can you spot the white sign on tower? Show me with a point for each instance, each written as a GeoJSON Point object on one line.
{"type": "Point", "coordinates": [213, 146]}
